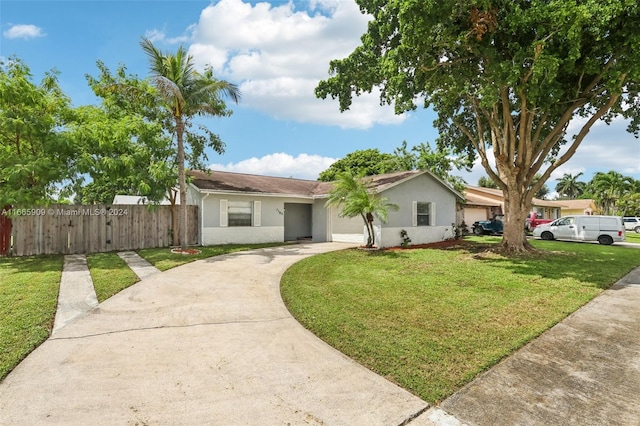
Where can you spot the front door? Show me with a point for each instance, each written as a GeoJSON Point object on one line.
{"type": "Point", "coordinates": [297, 221]}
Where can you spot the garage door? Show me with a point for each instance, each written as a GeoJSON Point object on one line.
{"type": "Point", "coordinates": [473, 214]}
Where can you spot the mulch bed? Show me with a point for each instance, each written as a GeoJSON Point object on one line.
{"type": "Point", "coordinates": [186, 251]}
{"type": "Point", "coordinates": [438, 245]}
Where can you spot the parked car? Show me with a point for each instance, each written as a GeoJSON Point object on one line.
{"type": "Point", "coordinates": [493, 226]}
{"type": "Point", "coordinates": [632, 224]}
{"type": "Point", "coordinates": [603, 229]}
{"type": "Point", "coordinates": [533, 220]}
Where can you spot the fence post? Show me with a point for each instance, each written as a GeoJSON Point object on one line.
{"type": "Point", "coordinates": [5, 231]}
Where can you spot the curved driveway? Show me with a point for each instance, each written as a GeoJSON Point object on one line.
{"type": "Point", "coordinates": [209, 342]}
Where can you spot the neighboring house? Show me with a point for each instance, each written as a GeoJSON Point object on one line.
{"type": "Point", "coordinates": [133, 200]}
{"type": "Point", "coordinates": [483, 203]}
{"type": "Point", "coordinates": [577, 207]}
{"type": "Point", "coordinates": [243, 208]}
{"type": "Point", "coordinates": [137, 199]}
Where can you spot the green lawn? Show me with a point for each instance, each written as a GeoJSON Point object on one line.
{"type": "Point", "coordinates": [28, 300]}
{"type": "Point", "coordinates": [632, 237]}
{"type": "Point", "coordinates": [110, 274]}
{"type": "Point", "coordinates": [431, 320]}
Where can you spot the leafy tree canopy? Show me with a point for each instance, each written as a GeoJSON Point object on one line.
{"type": "Point", "coordinates": [486, 182]}
{"type": "Point", "coordinates": [123, 147]}
{"type": "Point", "coordinates": [506, 78]}
{"type": "Point", "coordinates": [371, 162]}
{"type": "Point", "coordinates": [35, 152]}
{"type": "Point", "coordinates": [366, 162]}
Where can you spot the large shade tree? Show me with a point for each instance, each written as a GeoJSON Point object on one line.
{"type": "Point", "coordinates": [367, 162]}
{"type": "Point", "coordinates": [122, 143]}
{"type": "Point", "coordinates": [187, 93]}
{"type": "Point", "coordinates": [505, 77]}
{"type": "Point", "coordinates": [36, 154]}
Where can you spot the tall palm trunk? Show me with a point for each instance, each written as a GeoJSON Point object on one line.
{"type": "Point", "coordinates": [182, 226]}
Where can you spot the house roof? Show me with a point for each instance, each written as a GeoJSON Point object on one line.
{"type": "Point", "coordinates": [217, 181]}
{"type": "Point", "coordinates": [576, 204]}
{"type": "Point", "coordinates": [498, 195]}
{"type": "Point", "coordinates": [247, 183]}
{"type": "Point", "coordinates": [473, 199]}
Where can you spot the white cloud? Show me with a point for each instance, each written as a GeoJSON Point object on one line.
{"type": "Point", "coordinates": [24, 31]}
{"type": "Point", "coordinates": [279, 55]}
{"type": "Point", "coordinates": [304, 166]}
{"type": "Point", "coordinates": [156, 36]}
{"type": "Point", "coordinates": [605, 148]}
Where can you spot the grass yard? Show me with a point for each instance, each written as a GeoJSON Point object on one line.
{"type": "Point", "coordinates": [432, 319]}
{"type": "Point", "coordinates": [28, 301]}
{"type": "Point", "coordinates": [163, 259]}
{"type": "Point", "coordinates": [632, 237]}
{"type": "Point", "coordinates": [110, 274]}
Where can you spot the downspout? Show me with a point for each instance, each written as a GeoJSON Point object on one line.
{"type": "Point", "coordinates": [202, 218]}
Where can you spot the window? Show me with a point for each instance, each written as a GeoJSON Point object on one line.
{"type": "Point", "coordinates": [423, 213]}
{"type": "Point", "coordinates": [564, 221]}
{"type": "Point", "coordinates": [239, 213]}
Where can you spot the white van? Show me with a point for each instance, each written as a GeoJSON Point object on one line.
{"type": "Point", "coordinates": [603, 229]}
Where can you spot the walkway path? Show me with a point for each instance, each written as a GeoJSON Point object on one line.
{"type": "Point", "coordinates": [76, 295]}
{"type": "Point", "coordinates": [138, 265]}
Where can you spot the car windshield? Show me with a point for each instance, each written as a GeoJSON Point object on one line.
{"type": "Point", "coordinates": [563, 221]}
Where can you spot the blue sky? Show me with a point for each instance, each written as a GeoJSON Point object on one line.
{"type": "Point", "coordinates": [276, 52]}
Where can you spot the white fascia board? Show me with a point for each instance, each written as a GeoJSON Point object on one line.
{"type": "Point", "coordinates": [255, 194]}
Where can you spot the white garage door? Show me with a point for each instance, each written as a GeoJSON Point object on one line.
{"type": "Point", "coordinates": [473, 214]}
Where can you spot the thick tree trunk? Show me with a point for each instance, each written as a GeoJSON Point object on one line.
{"type": "Point", "coordinates": [182, 226]}
{"type": "Point", "coordinates": [516, 209]}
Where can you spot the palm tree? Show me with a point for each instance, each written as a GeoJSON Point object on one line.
{"type": "Point", "coordinates": [355, 196]}
{"type": "Point", "coordinates": [186, 93]}
{"type": "Point", "coordinates": [569, 187]}
{"type": "Point", "coordinates": [608, 188]}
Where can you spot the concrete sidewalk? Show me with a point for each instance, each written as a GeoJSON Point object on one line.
{"type": "Point", "coordinates": [209, 342]}
{"type": "Point", "coordinates": [76, 295]}
{"type": "Point", "coordinates": [138, 265]}
{"type": "Point", "coordinates": [584, 371]}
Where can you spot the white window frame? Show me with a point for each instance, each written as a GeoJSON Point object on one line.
{"type": "Point", "coordinates": [256, 216]}
{"type": "Point", "coordinates": [432, 213]}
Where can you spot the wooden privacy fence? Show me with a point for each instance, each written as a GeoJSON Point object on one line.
{"type": "Point", "coordinates": [66, 229]}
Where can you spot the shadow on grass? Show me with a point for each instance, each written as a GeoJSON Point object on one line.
{"type": "Point", "coordinates": [593, 264]}
{"type": "Point", "coordinates": [48, 263]}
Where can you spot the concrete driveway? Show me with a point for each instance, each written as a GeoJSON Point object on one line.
{"type": "Point", "coordinates": [209, 343]}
